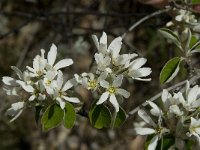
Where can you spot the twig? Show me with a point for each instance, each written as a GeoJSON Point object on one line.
{"type": "Point", "coordinates": [16, 29]}
{"type": "Point", "coordinates": [132, 112]}
{"type": "Point", "coordinates": [144, 19]}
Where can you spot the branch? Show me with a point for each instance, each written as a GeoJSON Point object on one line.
{"type": "Point", "coordinates": [144, 19]}
{"type": "Point", "coordinates": [132, 112]}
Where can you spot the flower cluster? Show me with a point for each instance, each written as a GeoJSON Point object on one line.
{"type": "Point", "coordinates": [178, 117]}
{"type": "Point", "coordinates": [110, 69]}
{"type": "Point", "coordinates": [42, 83]}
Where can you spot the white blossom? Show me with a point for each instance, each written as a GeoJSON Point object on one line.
{"type": "Point", "coordinates": [137, 72]}
{"type": "Point", "coordinates": [157, 129]}
{"type": "Point", "coordinates": [51, 58]}
{"type": "Point", "coordinates": [15, 110]}
{"type": "Point", "coordinates": [192, 99]}
{"type": "Point", "coordinates": [194, 129]}
{"type": "Point", "coordinates": [60, 91]}
{"type": "Point", "coordinates": [39, 64]}
{"type": "Point", "coordinates": [112, 90]}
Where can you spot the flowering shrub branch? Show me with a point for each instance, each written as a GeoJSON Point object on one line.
{"type": "Point", "coordinates": [173, 118]}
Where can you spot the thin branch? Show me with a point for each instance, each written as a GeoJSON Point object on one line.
{"type": "Point", "coordinates": [132, 112]}
{"type": "Point", "coordinates": [16, 29]}
{"type": "Point", "coordinates": [144, 19]}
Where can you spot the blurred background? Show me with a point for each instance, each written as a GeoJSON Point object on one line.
{"type": "Point", "coordinates": [26, 26]}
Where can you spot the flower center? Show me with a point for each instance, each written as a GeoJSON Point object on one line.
{"type": "Point", "coordinates": [39, 72]}
{"type": "Point", "coordinates": [92, 84]}
{"type": "Point", "coordinates": [111, 90]}
{"type": "Point", "coordinates": [61, 93]}
{"type": "Point", "coordinates": [48, 82]}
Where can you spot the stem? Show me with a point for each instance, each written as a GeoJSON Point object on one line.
{"type": "Point", "coordinates": [113, 120]}
{"type": "Point", "coordinates": [144, 19]}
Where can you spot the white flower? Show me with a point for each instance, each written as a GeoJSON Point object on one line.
{"type": "Point", "coordinates": [91, 82]}
{"type": "Point", "coordinates": [156, 129]}
{"type": "Point", "coordinates": [156, 111]}
{"type": "Point", "coordinates": [123, 60]}
{"type": "Point", "coordinates": [171, 103]}
{"type": "Point", "coordinates": [192, 99]}
{"type": "Point", "coordinates": [51, 58]}
{"type": "Point", "coordinates": [111, 91]}
{"type": "Point", "coordinates": [60, 91]}
{"type": "Point", "coordinates": [195, 129]}
{"type": "Point", "coordinates": [185, 16]}
{"type": "Point", "coordinates": [39, 64]}
{"type": "Point", "coordinates": [15, 110]}
{"type": "Point", "coordinates": [101, 45]}
{"type": "Point", "coordinates": [36, 90]}
{"type": "Point", "coordinates": [136, 72]}
{"type": "Point", "coordinates": [102, 61]}
{"type": "Point", "coordinates": [49, 82]}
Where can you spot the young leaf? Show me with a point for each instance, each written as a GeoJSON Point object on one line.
{"type": "Point", "coordinates": [170, 35]}
{"type": "Point", "coordinates": [170, 70]}
{"type": "Point", "coordinates": [100, 116]}
{"type": "Point", "coordinates": [120, 118]}
{"type": "Point", "coordinates": [69, 115]}
{"type": "Point", "coordinates": [52, 117]}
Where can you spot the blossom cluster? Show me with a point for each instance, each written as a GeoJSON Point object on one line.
{"type": "Point", "coordinates": [40, 84]}
{"type": "Point", "coordinates": [178, 117]}
{"type": "Point", "coordinates": [110, 69]}
{"type": "Point", "coordinates": [43, 83]}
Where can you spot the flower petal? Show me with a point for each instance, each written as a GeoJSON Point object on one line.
{"type": "Point", "coordinates": [69, 84]}
{"type": "Point", "coordinates": [59, 80]}
{"type": "Point", "coordinates": [192, 95]}
{"type": "Point", "coordinates": [153, 143]}
{"type": "Point", "coordinates": [61, 102]}
{"type": "Point", "coordinates": [144, 131]}
{"type": "Point", "coordinates": [18, 72]}
{"type": "Point", "coordinates": [115, 47]}
{"type": "Point", "coordinates": [71, 99]}
{"type": "Point", "coordinates": [103, 98]}
{"type": "Point", "coordinates": [104, 83]}
{"type": "Point", "coordinates": [123, 92]}
{"type": "Point", "coordinates": [103, 43]}
{"type": "Point", "coordinates": [114, 102]}
{"type": "Point", "coordinates": [63, 63]}
{"type": "Point", "coordinates": [137, 63]}
{"type": "Point", "coordinates": [26, 87]}
{"type": "Point", "coordinates": [146, 118]}
{"type": "Point", "coordinates": [51, 56]}
{"type": "Point", "coordinates": [9, 81]}
{"type": "Point", "coordinates": [96, 42]}
{"type": "Point", "coordinates": [118, 81]}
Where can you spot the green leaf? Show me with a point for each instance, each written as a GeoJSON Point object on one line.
{"type": "Point", "coordinates": [172, 36]}
{"type": "Point", "coordinates": [69, 115]}
{"type": "Point", "coordinates": [100, 116]}
{"type": "Point", "coordinates": [170, 70]}
{"type": "Point", "coordinates": [52, 117]}
{"type": "Point", "coordinates": [120, 118]}
{"type": "Point", "coordinates": [38, 110]}
{"type": "Point", "coordinates": [195, 2]}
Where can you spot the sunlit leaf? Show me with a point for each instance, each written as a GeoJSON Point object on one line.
{"type": "Point", "coordinates": [69, 115]}
{"type": "Point", "coordinates": [120, 118]}
{"type": "Point", "coordinates": [172, 36]}
{"type": "Point", "coordinates": [52, 117]}
{"type": "Point", "coordinates": [100, 116]}
{"type": "Point", "coordinates": [170, 70]}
